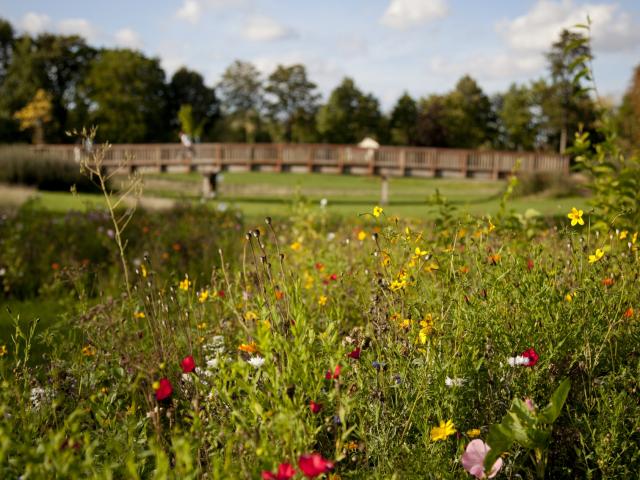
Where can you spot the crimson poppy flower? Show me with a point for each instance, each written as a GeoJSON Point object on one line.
{"type": "Point", "coordinates": [188, 364]}
{"type": "Point", "coordinates": [334, 375]}
{"type": "Point", "coordinates": [163, 389]}
{"type": "Point", "coordinates": [334, 277]}
{"type": "Point", "coordinates": [532, 356]}
{"type": "Point", "coordinates": [355, 354]}
{"type": "Point", "coordinates": [220, 293]}
{"type": "Point", "coordinates": [315, 407]}
{"type": "Point", "coordinates": [529, 264]}
{"type": "Point", "coordinates": [314, 465]}
{"type": "Point", "coordinates": [285, 472]}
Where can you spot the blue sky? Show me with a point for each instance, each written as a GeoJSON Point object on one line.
{"type": "Point", "coordinates": [387, 46]}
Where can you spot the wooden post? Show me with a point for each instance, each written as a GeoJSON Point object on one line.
{"type": "Point", "coordinates": [209, 185]}
{"type": "Point", "coordinates": [384, 190]}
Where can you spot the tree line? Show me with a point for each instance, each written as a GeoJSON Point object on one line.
{"type": "Point", "coordinates": [50, 84]}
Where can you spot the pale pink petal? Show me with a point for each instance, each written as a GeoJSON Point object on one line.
{"type": "Point", "coordinates": [496, 468]}
{"type": "Point", "coordinates": [477, 471]}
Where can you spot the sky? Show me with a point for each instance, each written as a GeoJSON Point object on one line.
{"type": "Point", "coordinates": [387, 46]}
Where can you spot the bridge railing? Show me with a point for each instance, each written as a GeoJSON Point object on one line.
{"type": "Point", "coordinates": [395, 161]}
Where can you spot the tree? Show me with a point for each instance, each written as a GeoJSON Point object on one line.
{"type": "Point", "coordinates": [35, 115]}
{"type": "Point", "coordinates": [403, 121]}
{"type": "Point", "coordinates": [292, 102]}
{"type": "Point", "coordinates": [187, 88]}
{"type": "Point", "coordinates": [569, 104]}
{"type": "Point", "coordinates": [126, 95]}
{"type": "Point", "coordinates": [55, 64]}
{"type": "Point", "coordinates": [242, 99]}
{"type": "Point", "coordinates": [517, 122]}
{"type": "Point", "coordinates": [431, 129]}
{"type": "Point", "coordinates": [629, 114]}
{"type": "Point", "coordinates": [7, 40]}
{"type": "Point", "coordinates": [469, 118]}
{"type": "Point", "coordinates": [349, 115]}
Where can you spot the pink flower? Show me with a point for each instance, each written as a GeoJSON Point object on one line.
{"type": "Point", "coordinates": [314, 465]}
{"type": "Point", "coordinates": [285, 472]}
{"type": "Point", "coordinates": [473, 459]}
{"type": "Point", "coordinates": [188, 364]}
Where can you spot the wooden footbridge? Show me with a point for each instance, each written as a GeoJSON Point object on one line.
{"type": "Point", "coordinates": [213, 158]}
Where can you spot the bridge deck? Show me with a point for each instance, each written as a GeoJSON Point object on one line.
{"type": "Point", "coordinates": [341, 159]}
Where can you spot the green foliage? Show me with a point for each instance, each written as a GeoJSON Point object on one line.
{"type": "Point", "coordinates": [527, 427]}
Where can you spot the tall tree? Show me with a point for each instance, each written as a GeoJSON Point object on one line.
{"type": "Point", "coordinates": [404, 120]}
{"type": "Point", "coordinates": [242, 96]}
{"type": "Point", "coordinates": [469, 119]}
{"type": "Point", "coordinates": [629, 114]}
{"type": "Point", "coordinates": [7, 40]}
{"type": "Point", "coordinates": [431, 129]}
{"type": "Point", "coordinates": [126, 94]}
{"type": "Point", "coordinates": [292, 102]}
{"type": "Point", "coordinates": [570, 104]}
{"type": "Point", "coordinates": [349, 115]}
{"type": "Point", "coordinates": [53, 63]}
{"type": "Point", "coordinates": [187, 88]}
{"type": "Point", "coordinates": [517, 121]}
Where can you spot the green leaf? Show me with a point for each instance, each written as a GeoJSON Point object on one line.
{"type": "Point", "coordinates": [499, 440]}
{"type": "Point", "coordinates": [552, 411]}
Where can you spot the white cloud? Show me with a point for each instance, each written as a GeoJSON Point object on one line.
{"type": "Point", "coordinates": [34, 23]}
{"type": "Point", "coordinates": [612, 28]}
{"type": "Point", "coordinates": [128, 38]}
{"type": "Point", "coordinates": [192, 10]}
{"type": "Point", "coordinates": [77, 26]}
{"type": "Point", "coordinates": [260, 28]}
{"type": "Point", "coordinates": [404, 14]}
{"type": "Point", "coordinates": [489, 67]}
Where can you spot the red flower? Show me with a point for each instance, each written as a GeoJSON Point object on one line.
{"type": "Point", "coordinates": [628, 313]}
{"type": "Point", "coordinates": [314, 465]}
{"type": "Point", "coordinates": [532, 356]}
{"type": "Point", "coordinates": [315, 407]}
{"type": "Point", "coordinates": [319, 266]}
{"type": "Point", "coordinates": [285, 472]}
{"type": "Point", "coordinates": [355, 354]}
{"type": "Point", "coordinates": [334, 276]}
{"type": "Point", "coordinates": [164, 389]}
{"type": "Point", "coordinates": [188, 364]}
{"type": "Point", "coordinates": [529, 264]}
{"type": "Point", "coordinates": [607, 281]}
{"type": "Point", "coordinates": [334, 375]}
{"type": "Point", "coordinates": [221, 293]}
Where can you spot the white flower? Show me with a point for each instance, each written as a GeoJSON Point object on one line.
{"type": "Point", "coordinates": [2, 272]}
{"type": "Point", "coordinates": [331, 236]}
{"type": "Point", "coordinates": [153, 413]}
{"type": "Point", "coordinates": [40, 395]}
{"type": "Point", "coordinates": [518, 360]}
{"type": "Point", "coordinates": [212, 362]}
{"type": "Point", "coordinates": [454, 382]}
{"type": "Point", "coordinates": [323, 203]}
{"type": "Point", "coordinates": [256, 361]}
{"type": "Point", "coordinates": [222, 207]}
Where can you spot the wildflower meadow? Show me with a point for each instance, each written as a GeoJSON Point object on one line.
{"type": "Point", "coordinates": [198, 343]}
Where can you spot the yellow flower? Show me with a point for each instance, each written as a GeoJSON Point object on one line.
{"type": "Point", "coordinates": [296, 246]}
{"type": "Point", "coordinates": [250, 316]}
{"type": "Point", "coordinates": [377, 211]}
{"type": "Point", "coordinates": [3, 350]}
{"type": "Point", "coordinates": [431, 267]}
{"type": "Point", "coordinates": [248, 347]}
{"type": "Point", "coordinates": [143, 271]}
{"type": "Point", "coordinates": [185, 284]}
{"type": "Point", "coordinates": [139, 315]}
{"type": "Point", "coordinates": [420, 253]}
{"type": "Point", "coordinates": [576, 217]}
{"type": "Point", "coordinates": [322, 300]}
{"type": "Point", "coordinates": [397, 285]}
{"type": "Point", "coordinates": [569, 297]}
{"type": "Point", "coordinates": [623, 234]}
{"type": "Point", "coordinates": [155, 385]}
{"type": "Point", "coordinates": [474, 432]}
{"type": "Point", "coordinates": [634, 238]}
{"type": "Point", "coordinates": [201, 326]}
{"type": "Point", "coordinates": [405, 323]}
{"type": "Point", "coordinates": [442, 431]}
{"type": "Point", "coordinates": [362, 235]}
{"type": "Point", "coordinates": [492, 227]}
{"type": "Point", "coordinates": [597, 256]}
{"type": "Point", "coordinates": [204, 294]}
{"type": "Point", "coordinates": [88, 351]}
